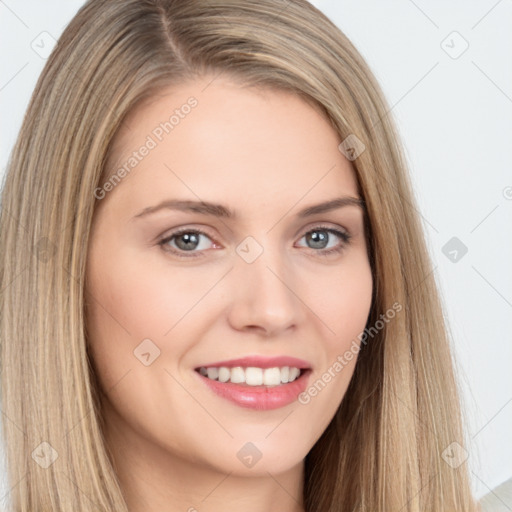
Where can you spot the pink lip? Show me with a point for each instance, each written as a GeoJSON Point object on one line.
{"type": "Point", "coordinates": [261, 362]}
{"type": "Point", "coordinates": [260, 398]}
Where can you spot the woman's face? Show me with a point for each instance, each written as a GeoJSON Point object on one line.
{"type": "Point", "coordinates": [261, 280]}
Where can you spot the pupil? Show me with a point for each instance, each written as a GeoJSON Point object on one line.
{"type": "Point", "coordinates": [188, 238]}
{"type": "Point", "coordinates": [318, 237]}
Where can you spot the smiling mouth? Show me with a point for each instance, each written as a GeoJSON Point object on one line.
{"type": "Point", "coordinates": [252, 376]}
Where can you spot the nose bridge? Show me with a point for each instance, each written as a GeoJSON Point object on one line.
{"type": "Point", "coordinates": [262, 288]}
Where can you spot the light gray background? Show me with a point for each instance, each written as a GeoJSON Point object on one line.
{"type": "Point", "coordinates": [454, 114]}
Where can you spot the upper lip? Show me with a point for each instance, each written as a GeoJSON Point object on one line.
{"type": "Point", "coordinates": [260, 362]}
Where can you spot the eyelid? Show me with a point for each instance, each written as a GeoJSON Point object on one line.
{"type": "Point", "coordinates": [328, 226]}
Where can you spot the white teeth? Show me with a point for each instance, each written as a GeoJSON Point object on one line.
{"type": "Point", "coordinates": [271, 376]}
{"type": "Point", "coordinates": [237, 375]}
{"type": "Point", "coordinates": [212, 373]}
{"type": "Point", "coordinates": [223, 374]}
{"type": "Point", "coordinates": [294, 373]}
{"type": "Point", "coordinates": [252, 376]}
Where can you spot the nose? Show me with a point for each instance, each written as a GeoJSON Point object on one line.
{"type": "Point", "coordinates": [264, 296]}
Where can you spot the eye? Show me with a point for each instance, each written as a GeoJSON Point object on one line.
{"type": "Point", "coordinates": [323, 240]}
{"type": "Point", "coordinates": [185, 240]}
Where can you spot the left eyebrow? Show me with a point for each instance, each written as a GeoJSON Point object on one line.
{"type": "Point", "coordinates": [218, 210]}
{"type": "Point", "coordinates": [333, 204]}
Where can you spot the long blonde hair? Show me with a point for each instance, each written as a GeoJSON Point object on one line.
{"type": "Point", "coordinates": [382, 452]}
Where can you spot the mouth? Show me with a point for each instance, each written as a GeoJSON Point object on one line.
{"type": "Point", "coordinates": [257, 383]}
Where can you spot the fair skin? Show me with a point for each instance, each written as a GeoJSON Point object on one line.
{"type": "Point", "coordinates": [266, 155]}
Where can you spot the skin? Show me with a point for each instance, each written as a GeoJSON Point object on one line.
{"type": "Point", "coordinates": [265, 154]}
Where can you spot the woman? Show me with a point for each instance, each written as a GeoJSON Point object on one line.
{"type": "Point", "coordinates": [221, 293]}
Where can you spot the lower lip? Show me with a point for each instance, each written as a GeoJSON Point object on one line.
{"type": "Point", "coordinates": [261, 398]}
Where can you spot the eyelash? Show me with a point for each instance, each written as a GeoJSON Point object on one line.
{"type": "Point", "coordinates": [344, 236]}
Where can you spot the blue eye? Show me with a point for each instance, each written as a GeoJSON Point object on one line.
{"type": "Point", "coordinates": [189, 241]}
{"type": "Point", "coordinates": [185, 240]}
{"type": "Point", "coordinates": [321, 236]}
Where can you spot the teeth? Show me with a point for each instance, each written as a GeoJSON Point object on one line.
{"type": "Point", "coordinates": [237, 375]}
{"type": "Point", "coordinates": [223, 373]}
{"type": "Point", "coordinates": [294, 373]}
{"type": "Point", "coordinates": [271, 376]}
{"type": "Point", "coordinates": [212, 373]}
{"type": "Point", "coordinates": [252, 376]}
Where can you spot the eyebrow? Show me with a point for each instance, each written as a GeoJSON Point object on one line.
{"type": "Point", "coordinates": [218, 210]}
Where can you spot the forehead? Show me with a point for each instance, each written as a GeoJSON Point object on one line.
{"type": "Point", "coordinates": [217, 139]}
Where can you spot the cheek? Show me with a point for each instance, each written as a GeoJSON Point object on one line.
{"type": "Point", "coordinates": [132, 299]}
{"type": "Point", "coordinates": [140, 299]}
{"type": "Point", "coordinates": [343, 300]}
{"type": "Point", "coordinates": [342, 305]}
{"type": "Point", "coordinates": [133, 302]}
